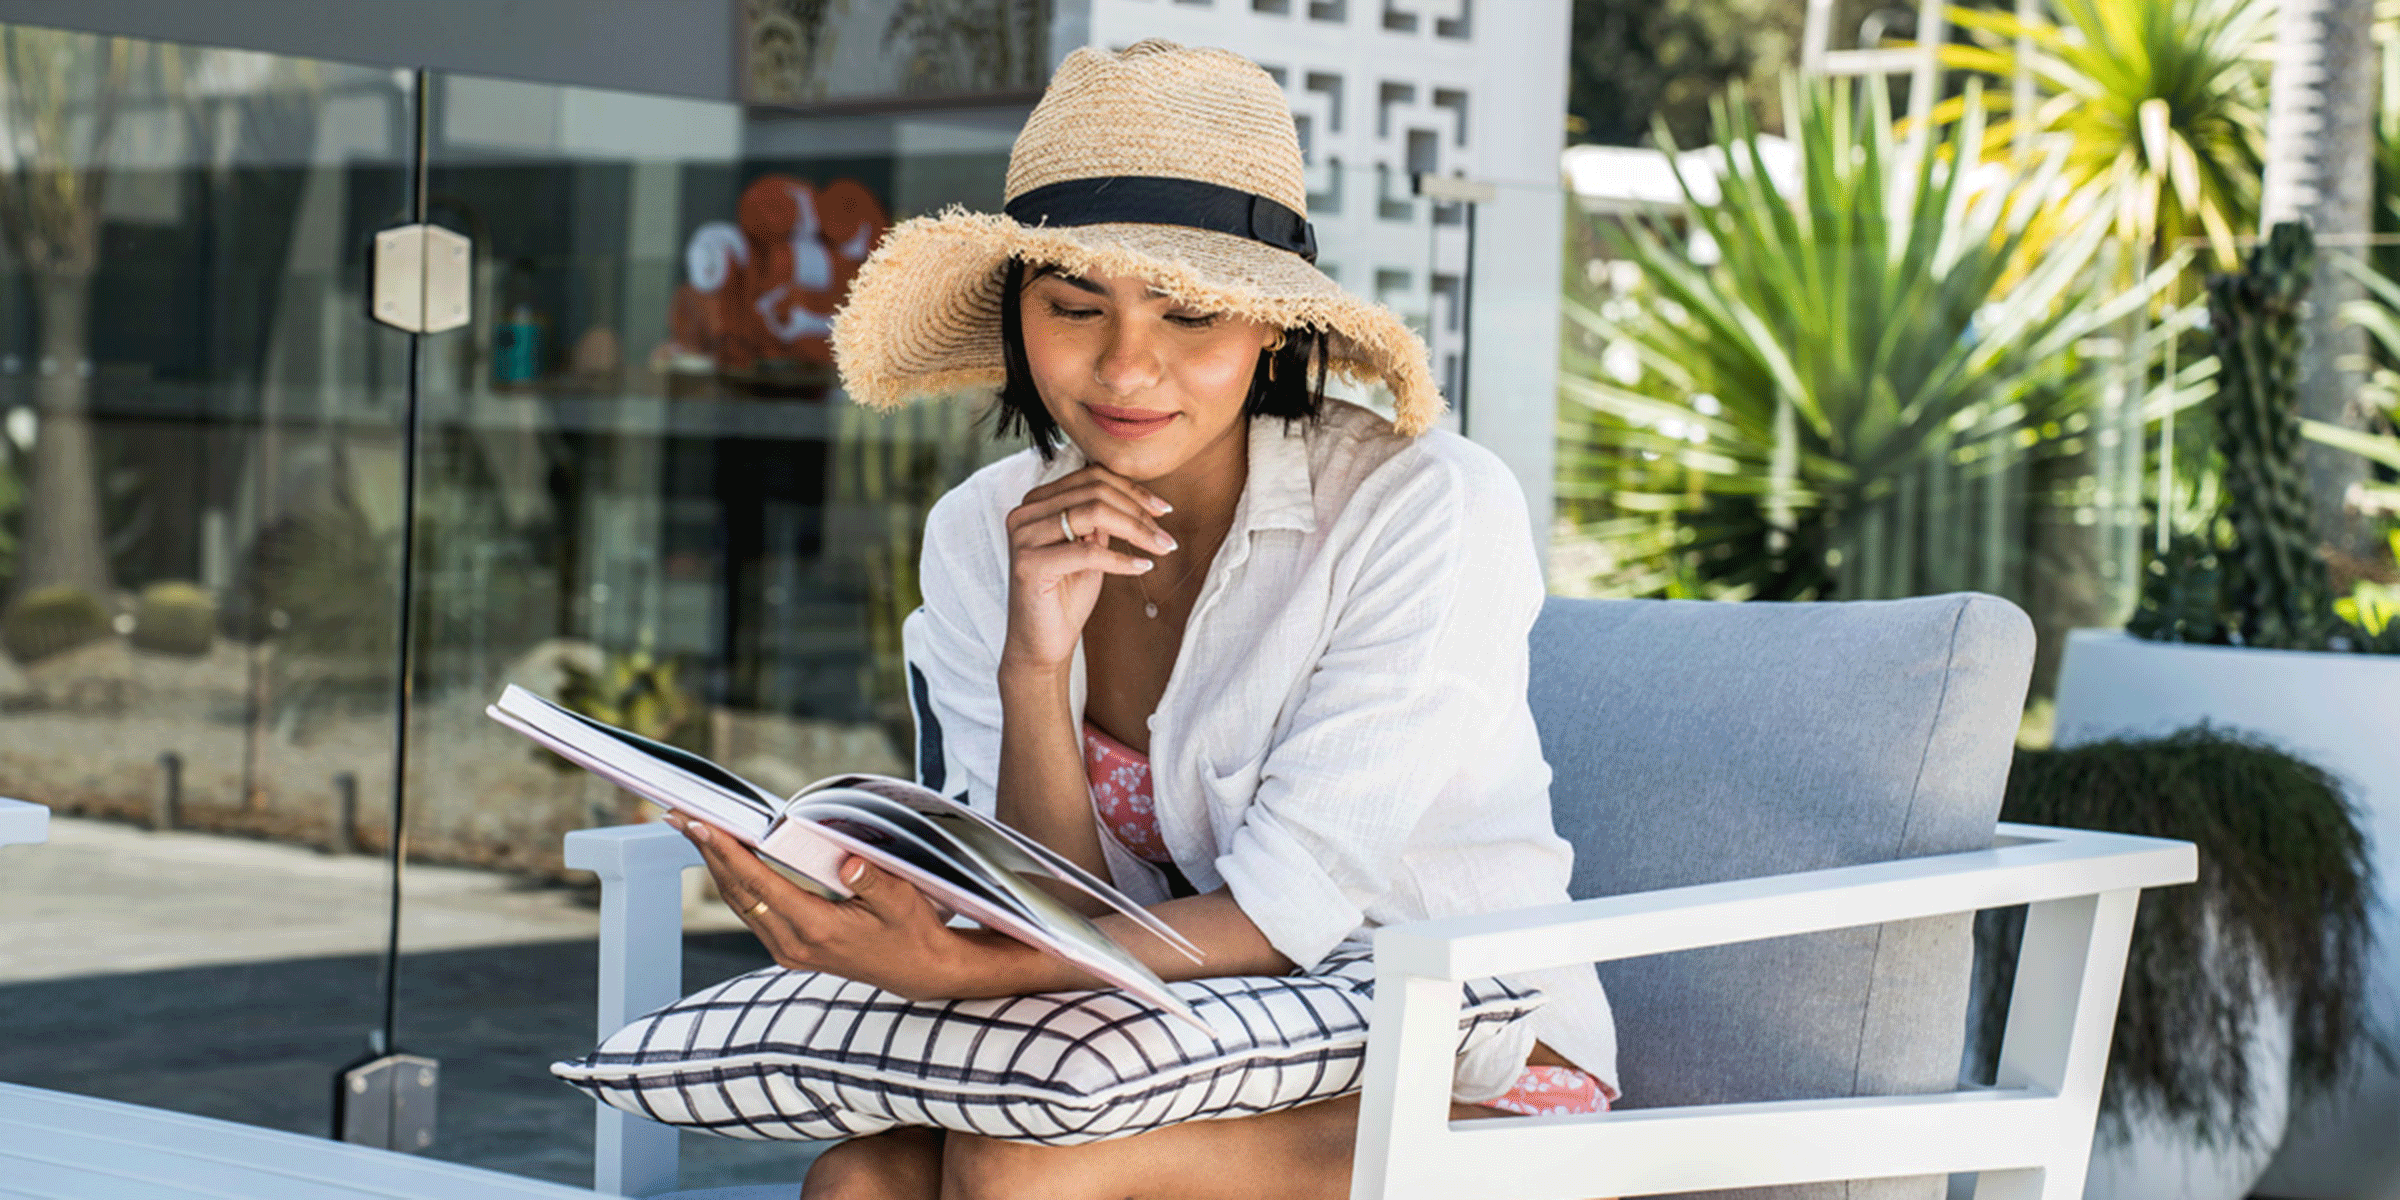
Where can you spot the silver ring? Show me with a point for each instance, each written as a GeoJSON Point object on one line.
{"type": "Point", "coordinates": [1062, 524]}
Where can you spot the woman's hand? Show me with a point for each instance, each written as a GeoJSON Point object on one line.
{"type": "Point", "coordinates": [887, 934]}
{"type": "Point", "coordinates": [1053, 579]}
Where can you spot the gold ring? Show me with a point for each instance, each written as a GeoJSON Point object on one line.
{"type": "Point", "coordinates": [756, 910]}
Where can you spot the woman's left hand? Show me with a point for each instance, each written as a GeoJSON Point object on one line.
{"type": "Point", "coordinates": [887, 934]}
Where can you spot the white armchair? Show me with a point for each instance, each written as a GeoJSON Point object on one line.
{"type": "Point", "coordinates": [2030, 1136]}
{"type": "Point", "coordinates": [1784, 816]}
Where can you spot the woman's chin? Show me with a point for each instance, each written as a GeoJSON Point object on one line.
{"type": "Point", "coordinates": [1148, 458]}
{"type": "Point", "coordinates": [1140, 465]}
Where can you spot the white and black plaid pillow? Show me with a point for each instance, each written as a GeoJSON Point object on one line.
{"type": "Point", "coordinates": [799, 1055]}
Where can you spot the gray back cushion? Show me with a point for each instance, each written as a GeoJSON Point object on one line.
{"type": "Point", "coordinates": [1696, 742]}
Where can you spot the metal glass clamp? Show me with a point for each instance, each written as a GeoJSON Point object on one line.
{"type": "Point", "coordinates": [422, 278]}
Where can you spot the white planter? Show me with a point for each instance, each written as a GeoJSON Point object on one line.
{"type": "Point", "coordinates": [2156, 1161]}
{"type": "Point", "coordinates": [2340, 711]}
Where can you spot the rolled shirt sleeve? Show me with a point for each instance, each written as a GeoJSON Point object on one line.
{"type": "Point", "coordinates": [1423, 661]}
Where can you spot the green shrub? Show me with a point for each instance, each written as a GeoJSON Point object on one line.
{"type": "Point", "coordinates": [2285, 884]}
{"type": "Point", "coordinates": [52, 621]}
{"type": "Point", "coordinates": [175, 618]}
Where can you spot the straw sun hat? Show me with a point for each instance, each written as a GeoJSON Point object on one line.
{"type": "Point", "coordinates": [1175, 165]}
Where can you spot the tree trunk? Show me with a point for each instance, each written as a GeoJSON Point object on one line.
{"type": "Point", "coordinates": [63, 543]}
{"type": "Point", "coordinates": [2321, 169]}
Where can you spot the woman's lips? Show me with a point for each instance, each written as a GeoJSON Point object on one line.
{"type": "Point", "coordinates": [1128, 423]}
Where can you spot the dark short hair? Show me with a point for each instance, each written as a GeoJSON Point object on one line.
{"type": "Point", "coordinates": [1294, 390]}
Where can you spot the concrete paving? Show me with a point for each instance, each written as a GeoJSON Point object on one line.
{"type": "Point", "coordinates": [233, 978]}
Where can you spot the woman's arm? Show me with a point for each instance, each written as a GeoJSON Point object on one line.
{"type": "Point", "coordinates": [1053, 583]}
{"type": "Point", "coordinates": [1042, 791]}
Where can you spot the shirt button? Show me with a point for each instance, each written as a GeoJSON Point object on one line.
{"type": "Point", "coordinates": [1151, 721]}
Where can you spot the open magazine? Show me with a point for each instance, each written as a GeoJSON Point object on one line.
{"type": "Point", "coordinates": [966, 862]}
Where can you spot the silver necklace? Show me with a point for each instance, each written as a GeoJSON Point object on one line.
{"type": "Point", "coordinates": [1150, 606]}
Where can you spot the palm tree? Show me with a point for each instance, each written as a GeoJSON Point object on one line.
{"type": "Point", "coordinates": [2320, 170]}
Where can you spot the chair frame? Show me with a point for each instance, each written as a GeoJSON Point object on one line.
{"type": "Point", "coordinates": [2030, 1136]}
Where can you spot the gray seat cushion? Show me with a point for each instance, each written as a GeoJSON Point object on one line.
{"type": "Point", "coordinates": [1696, 742]}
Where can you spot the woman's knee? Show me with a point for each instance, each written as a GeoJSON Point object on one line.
{"type": "Point", "coordinates": [981, 1168]}
{"type": "Point", "coordinates": [904, 1164]}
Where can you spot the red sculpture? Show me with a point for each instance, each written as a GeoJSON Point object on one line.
{"type": "Point", "coordinates": [765, 288]}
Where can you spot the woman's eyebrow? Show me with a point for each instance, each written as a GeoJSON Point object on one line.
{"type": "Point", "coordinates": [1078, 282]}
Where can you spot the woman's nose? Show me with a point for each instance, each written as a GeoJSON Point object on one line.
{"type": "Point", "coordinates": [1128, 360]}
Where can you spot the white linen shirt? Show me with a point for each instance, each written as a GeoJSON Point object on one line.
{"type": "Point", "coordinates": [1344, 741]}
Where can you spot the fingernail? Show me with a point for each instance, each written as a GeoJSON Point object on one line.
{"type": "Point", "coordinates": [700, 831]}
{"type": "Point", "coordinates": [858, 867]}
{"type": "Point", "coordinates": [1168, 542]}
{"type": "Point", "coordinates": [1143, 564]}
{"type": "Point", "coordinates": [1161, 505]}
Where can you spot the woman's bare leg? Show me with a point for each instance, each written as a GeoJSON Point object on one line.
{"type": "Point", "coordinates": [1297, 1154]}
{"type": "Point", "coordinates": [899, 1164]}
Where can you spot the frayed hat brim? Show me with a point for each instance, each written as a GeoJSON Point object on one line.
{"type": "Point", "coordinates": [923, 315]}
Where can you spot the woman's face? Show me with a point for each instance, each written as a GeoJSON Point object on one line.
{"type": "Point", "coordinates": [1142, 384]}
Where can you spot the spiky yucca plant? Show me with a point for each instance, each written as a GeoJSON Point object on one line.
{"type": "Point", "coordinates": [2379, 314]}
{"type": "Point", "coordinates": [1797, 418]}
{"type": "Point", "coordinates": [2161, 105]}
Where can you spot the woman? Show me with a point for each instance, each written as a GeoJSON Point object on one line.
{"type": "Point", "coordinates": [1257, 655]}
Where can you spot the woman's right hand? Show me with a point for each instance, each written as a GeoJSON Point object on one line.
{"type": "Point", "coordinates": [1054, 580]}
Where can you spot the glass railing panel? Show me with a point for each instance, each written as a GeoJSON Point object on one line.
{"type": "Point", "coordinates": [199, 531]}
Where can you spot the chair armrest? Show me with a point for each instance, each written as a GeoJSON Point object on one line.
{"type": "Point", "coordinates": [23, 823]}
{"type": "Point", "coordinates": [2030, 1137]}
{"type": "Point", "coordinates": [625, 851]}
{"type": "Point", "coordinates": [2033, 863]}
{"type": "Point", "coordinates": [641, 968]}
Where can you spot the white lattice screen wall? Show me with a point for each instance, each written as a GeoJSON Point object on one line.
{"type": "Point", "coordinates": [1382, 89]}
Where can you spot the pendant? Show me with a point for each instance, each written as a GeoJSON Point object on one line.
{"type": "Point", "coordinates": [1150, 610]}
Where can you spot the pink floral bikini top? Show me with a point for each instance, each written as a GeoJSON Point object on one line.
{"type": "Point", "coordinates": [1120, 778]}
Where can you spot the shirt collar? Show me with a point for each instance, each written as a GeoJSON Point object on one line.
{"type": "Point", "coordinates": [1278, 494]}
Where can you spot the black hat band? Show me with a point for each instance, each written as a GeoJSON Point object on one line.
{"type": "Point", "coordinates": [1155, 200]}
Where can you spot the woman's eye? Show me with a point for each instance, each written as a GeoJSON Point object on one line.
{"type": "Point", "coordinates": [1197, 321]}
{"type": "Point", "coordinates": [1062, 312]}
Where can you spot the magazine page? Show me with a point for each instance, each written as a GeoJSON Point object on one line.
{"type": "Point", "coordinates": [891, 833]}
{"type": "Point", "coordinates": [695, 765]}
{"type": "Point", "coordinates": [678, 780]}
{"type": "Point", "coordinates": [1043, 860]}
{"type": "Point", "coordinates": [908, 842]}
{"type": "Point", "coordinates": [653, 779]}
